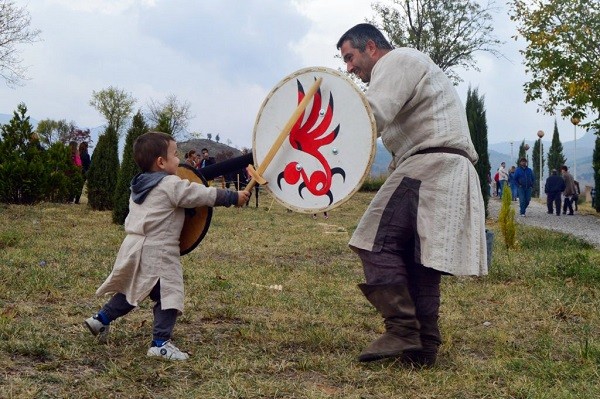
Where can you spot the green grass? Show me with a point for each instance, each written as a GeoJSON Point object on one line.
{"type": "Point", "coordinates": [528, 330]}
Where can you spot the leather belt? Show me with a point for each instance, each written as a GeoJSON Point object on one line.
{"type": "Point", "coordinates": [447, 150]}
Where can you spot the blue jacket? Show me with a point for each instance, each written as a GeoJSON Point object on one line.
{"type": "Point", "coordinates": [554, 184]}
{"type": "Point", "coordinates": [524, 177]}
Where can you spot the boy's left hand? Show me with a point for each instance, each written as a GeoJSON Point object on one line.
{"type": "Point", "coordinates": [243, 197]}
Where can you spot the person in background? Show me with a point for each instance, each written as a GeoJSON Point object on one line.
{"type": "Point", "coordinates": [569, 191]}
{"type": "Point", "coordinates": [525, 179]}
{"type": "Point", "coordinates": [593, 195]}
{"type": "Point", "coordinates": [576, 195]}
{"type": "Point", "coordinates": [206, 159]}
{"type": "Point", "coordinates": [407, 239]}
{"type": "Point", "coordinates": [148, 263]}
{"type": "Point", "coordinates": [513, 183]}
{"type": "Point", "coordinates": [502, 178]}
{"type": "Point", "coordinates": [555, 185]}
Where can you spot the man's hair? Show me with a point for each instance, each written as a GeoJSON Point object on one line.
{"type": "Point", "coordinates": [564, 167]}
{"type": "Point", "coordinates": [148, 147]}
{"type": "Point", "coordinates": [523, 159]}
{"type": "Point", "coordinates": [204, 150]}
{"type": "Point", "coordinates": [554, 172]}
{"type": "Point", "coordinates": [360, 34]}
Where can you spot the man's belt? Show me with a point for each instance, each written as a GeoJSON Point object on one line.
{"type": "Point", "coordinates": [447, 150]}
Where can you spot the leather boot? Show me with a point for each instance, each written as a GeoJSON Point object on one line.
{"type": "Point", "coordinates": [430, 340]}
{"type": "Point", "coordinates": [395, 305]}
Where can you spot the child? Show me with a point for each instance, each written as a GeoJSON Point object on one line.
{"type": "Point", "coordinates": [148, 262]}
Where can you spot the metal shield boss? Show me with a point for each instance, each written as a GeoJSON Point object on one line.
{"type": "Point", "coordinates": [329, 150]}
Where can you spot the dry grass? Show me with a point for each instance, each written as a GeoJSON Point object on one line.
{"type": "Point", "coordinates": [528, 330]}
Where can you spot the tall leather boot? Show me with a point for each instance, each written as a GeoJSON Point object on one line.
{"type": "Point", "coordinates": [395, 305]}
{"type": "Point", "coordinates": [431, 339]}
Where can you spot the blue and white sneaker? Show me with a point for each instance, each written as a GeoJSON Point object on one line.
{"type": "Point", "coordinates": [168, 351]}
{"type": "Point", "coordinates": [98, 329]}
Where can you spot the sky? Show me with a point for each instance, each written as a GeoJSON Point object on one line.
{"type": "Point", "coordinates": [223, 58]}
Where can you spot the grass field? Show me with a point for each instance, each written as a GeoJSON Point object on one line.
{"type": "Point", "coordinates": [528, 330]}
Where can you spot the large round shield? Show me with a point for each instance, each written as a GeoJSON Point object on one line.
{"type": "Point", "coordinates": [197, 220]}
{"type": "Point", "coordinates": [330, 148]}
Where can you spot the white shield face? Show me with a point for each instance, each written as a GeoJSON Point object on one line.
{"type": "Point", "coordinates": [329, 150]}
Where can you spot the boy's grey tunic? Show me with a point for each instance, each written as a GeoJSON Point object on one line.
{"type": "Point", "coordinates": [416, 108]}
{"type": "Point", "coordinates": [150, 251]}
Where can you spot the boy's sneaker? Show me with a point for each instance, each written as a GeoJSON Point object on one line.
{"type": "Point", "coordinates": [168, 351]}
{"type": "Point", "coordinates": [98, 329]}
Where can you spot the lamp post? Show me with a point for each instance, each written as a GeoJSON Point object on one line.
{"type": "Point", "coordinates": [540, 134]}
{"type": "Point", "coordinates": [575, 121]}
{"type": "Point", "coordinates": [511, 152]}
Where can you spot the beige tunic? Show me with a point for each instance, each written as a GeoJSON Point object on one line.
{"type": "Point", "coordinates": [150, 251]}
{"type": "Point", "coordinates": [416, 107]}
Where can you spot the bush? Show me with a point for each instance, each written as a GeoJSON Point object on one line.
{"type": "Point", "coordinates": [102, 176]}
{"type": "Point", "coordinates": [128, 170]}
{"type": "Point", "coordinates": [28, 172]}
{"type": "Point", "coordinates": [372, 184]}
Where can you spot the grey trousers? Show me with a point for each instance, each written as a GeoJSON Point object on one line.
{"type": "Point", "coordinates": [164, 319]}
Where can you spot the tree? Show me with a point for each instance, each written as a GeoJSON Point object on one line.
{"type": "Point", "coordinates": [523, 148]}
{"type": "Point", "coordinates": [128, 170]}
{"type": "Point", "coordinates": [217, 138]}
{"type": "Point", "coordinates": [449, 31]}
{"type": "Point", "coordinates": [51, 131]}
{"type": "Point", "coordinates": [171, 113]}
{"type": "Point", "coordinates": [209, 136]}
{"type": "Point", "coordinates": [535, 159]}
{"type": "Point", "coordinates": [562, 55]}
{"type": "Point", "coordinates": [476, 119]}
{"type": "Point", "coordinates": [14, 30]}
{"type": "Point", "coordinates": [28, 172]}
{"type": "Point", "coordinates": [115, 105]}
{"type": "Point", "coordinates": [102, 175]}
{"type": "Point", "coordinates": [556, 159]}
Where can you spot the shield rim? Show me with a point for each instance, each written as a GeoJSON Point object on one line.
{"type": "Point", "coordinates": [365, 102]}
{"type": "Point", "coordinates": [209, 210]}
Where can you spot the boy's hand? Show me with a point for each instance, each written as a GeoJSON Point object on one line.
{"type": "Point", "coordinates": [243, 197]}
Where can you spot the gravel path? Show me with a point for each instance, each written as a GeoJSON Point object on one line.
{"type": "Point", "coordinates": [586, 227]}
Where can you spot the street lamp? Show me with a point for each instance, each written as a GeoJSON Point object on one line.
{"type": "Point", "coordinates": [540, 134]}
{"type": "Point", "coordinates": [575, 121]}
{"type": "Point", "coordinates": [511, 152]}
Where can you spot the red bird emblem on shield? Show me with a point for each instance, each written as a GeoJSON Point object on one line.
{"type": "Point", "coordinates": [309, 137]}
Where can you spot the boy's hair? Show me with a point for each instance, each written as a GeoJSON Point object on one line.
{"type": "Point", "coordinates": [148, 147]}
{"type": "Point", "coordinates": [360, 34]}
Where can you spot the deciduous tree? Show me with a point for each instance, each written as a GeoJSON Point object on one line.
{"type": "Point", "coordinates": [172, 115]}
{"type": "Point", "coordinates": [449, 31]}
{"type": "Point", "coordinates": [562, 56]}
{"type": "Point", "coordinates": [15, 29]}
{"type": "Point", "coordinates": [115, 105]}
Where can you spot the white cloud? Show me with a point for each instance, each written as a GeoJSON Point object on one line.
{"type": "Point", "coordinates": [223, 57]}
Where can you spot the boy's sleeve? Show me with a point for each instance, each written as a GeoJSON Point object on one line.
{"type": "Point", "coordinates": [186, 194]}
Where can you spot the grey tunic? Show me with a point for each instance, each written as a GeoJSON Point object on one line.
{"type": "Point", "coordinates": [416, 108]}
{"type": "Point", "coordinates": [150, 251]}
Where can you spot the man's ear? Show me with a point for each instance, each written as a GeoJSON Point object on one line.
{"type": "Point", "coordinates": [370, 47]}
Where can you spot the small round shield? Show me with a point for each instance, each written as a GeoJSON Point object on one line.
{"type": "Point", "coordinates": [330, 148]}
{"type": "Point", "coordinates": [197, 220]}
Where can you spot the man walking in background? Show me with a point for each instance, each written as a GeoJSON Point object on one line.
{"type": "Point", "coordinates": [555, 185]}
{"type": "Point", "coordinates": [525, 178]}
{"type": "Point", "coordinates": [569, 191]}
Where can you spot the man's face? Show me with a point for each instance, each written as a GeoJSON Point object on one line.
{"type": "Point", "coordinates": [523, 163]}
{"type": "Point", "coordinates": [358, 63]}
{"type": "Point", "coordinates": [205, 154]}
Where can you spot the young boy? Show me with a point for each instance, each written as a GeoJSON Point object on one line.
{"type": "Point", "coordinates": [148, 262]}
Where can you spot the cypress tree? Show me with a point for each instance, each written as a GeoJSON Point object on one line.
{"type": "Point", "coordinates": [476, 119]}
{"type": "Point", "coordinates": [596, 165]}
{"type": "Point", "coordinates": [103, 172]}
{"type": "Point", "coordinates": [556, 159]}
{"type": "Point", "coordinates": [128, 170]}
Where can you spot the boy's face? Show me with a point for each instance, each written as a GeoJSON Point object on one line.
{"type": "Point", "coordinates": [170, 164]}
